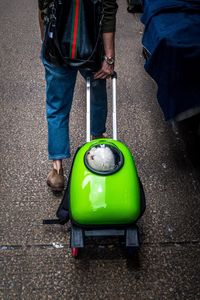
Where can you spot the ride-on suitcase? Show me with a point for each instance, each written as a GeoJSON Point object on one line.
{"type": "Point", "coordinates": [103, 199]}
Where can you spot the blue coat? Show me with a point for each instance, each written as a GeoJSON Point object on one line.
{"type": "Point", "coordinates": [172, 38]}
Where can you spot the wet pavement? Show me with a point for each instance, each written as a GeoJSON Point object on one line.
{"type": "Point", "coordinates": [35, 259]}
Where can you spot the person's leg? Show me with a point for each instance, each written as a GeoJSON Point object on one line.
{"type": "Point", "coordinates": [60, 82]}
{"type": "Point", "coordinates": [98, 105]}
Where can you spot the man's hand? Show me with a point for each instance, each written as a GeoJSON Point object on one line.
{"type": "Point", "coordinates": [105, 72]}
{"type": "Point", "coordinates": [109, 48]}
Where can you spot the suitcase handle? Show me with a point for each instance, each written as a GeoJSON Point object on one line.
{"type": "Point", "coordinates": [114, 107]}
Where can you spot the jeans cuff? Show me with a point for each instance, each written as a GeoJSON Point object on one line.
{"type": "Point", "coordinates": [55, 157]}
{"type": "Point", "coordinates": [98, 133]}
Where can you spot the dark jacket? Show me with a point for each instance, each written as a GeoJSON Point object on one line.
{"type": "Point", "coordinates": [110, 10]}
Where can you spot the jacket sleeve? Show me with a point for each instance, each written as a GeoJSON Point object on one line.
{"type": "Point", "coordinates": [109, 21]}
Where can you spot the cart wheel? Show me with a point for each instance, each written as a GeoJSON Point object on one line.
{"type": "Point", "coordinates": [74, 252]}
{"type": "Point", "coordinates": [130, 9]}
{"type": "Point", "coordinates": [131, 251]}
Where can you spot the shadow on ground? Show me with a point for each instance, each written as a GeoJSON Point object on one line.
{"type": "Point", "coordinates": [189, 131]}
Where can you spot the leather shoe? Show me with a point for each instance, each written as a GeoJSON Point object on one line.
{"type": "Point", "coordinates": [101, 136]}
{"type": "Point", "coordinates": [55, 180]}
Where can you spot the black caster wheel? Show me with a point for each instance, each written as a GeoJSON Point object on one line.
{"type": "Point", "coordinates": [131, 251]}
{"type": "Point", "coordinates": [129, 9]}
{"type": "Point", "coordinates": [135, 8]}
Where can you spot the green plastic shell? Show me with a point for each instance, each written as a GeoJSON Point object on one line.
{"type": "Point", "coordinates": [104, 199]}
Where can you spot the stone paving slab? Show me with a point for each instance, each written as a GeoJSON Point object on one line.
{"type": "Point", "coordinates": [35, 260]}
{"type": "Point", "coordinates": [167, 271]}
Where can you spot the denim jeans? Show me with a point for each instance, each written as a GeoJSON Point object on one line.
{"type": "Point", "coordinates": [60, 82]}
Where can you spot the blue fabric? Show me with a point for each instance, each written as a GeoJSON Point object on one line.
{"type": "Point", "coordinates": [60, 82]}
{"type": "Point", "coordinates": [156, 7]}
{"type": "Point", "coordinates": [172, 38]}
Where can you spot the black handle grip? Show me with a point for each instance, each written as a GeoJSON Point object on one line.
{"type": "Point", "coordinates": [114, 75]}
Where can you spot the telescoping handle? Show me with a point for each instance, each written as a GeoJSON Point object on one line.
{"type": "Point", "coordinates": [114, 107]}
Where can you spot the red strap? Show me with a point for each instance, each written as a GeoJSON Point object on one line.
{"type": "Point", "coordinates": [75, 27]}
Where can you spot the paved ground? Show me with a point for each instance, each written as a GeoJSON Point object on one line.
{"type": "Point", "coordinates": [35, 259]}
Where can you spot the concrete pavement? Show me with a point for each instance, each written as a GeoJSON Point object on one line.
{"type": "Point", "coordinates": [35, 260]}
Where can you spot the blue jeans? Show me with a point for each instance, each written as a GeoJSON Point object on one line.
{"type": "Point", "coordinates": [60, 82]}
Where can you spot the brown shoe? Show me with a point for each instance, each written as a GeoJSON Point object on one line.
{"type": "Point", "coordinates": [55, 180]}
{"type": "Point", "coordinates": [101, 136]}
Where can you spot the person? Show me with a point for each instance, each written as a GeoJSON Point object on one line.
{"type": "Point", "coordinates": [60, 83]}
